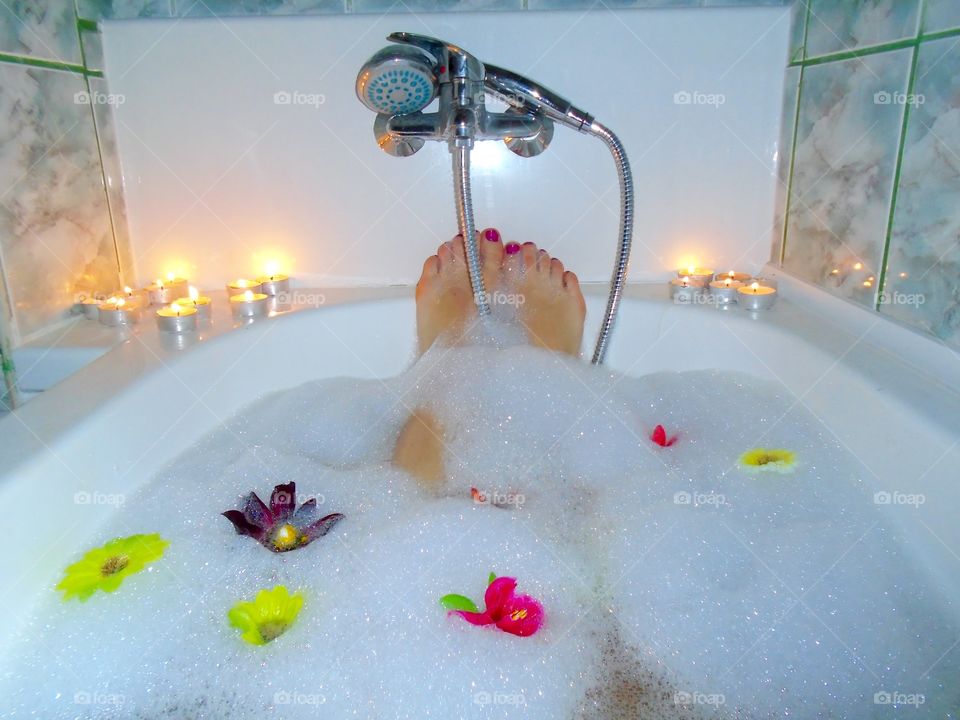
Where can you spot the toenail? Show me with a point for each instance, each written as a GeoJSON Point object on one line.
{"type": "Point", "coordinates": [512, 248]}
{"type": "Point", "coordinates": [492, 235]}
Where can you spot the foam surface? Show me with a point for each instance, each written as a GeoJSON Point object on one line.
{"type": "Point", "coordinates": [671, 578]}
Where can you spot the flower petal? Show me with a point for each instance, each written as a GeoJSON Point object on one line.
{"type": "Point", "coordinates": [322, 526]}
{"type": "Point", "coordinates": [659, 436]}
{"type": "Point", "coordinates": [498, 595]}
{"type": "Point", "coordinates": [306, 514]}
{"type": "Point", "coordinates": [242, 525]}
{"type": "Point", "coordinates": [523, 616]}
{"type": "Point", "coordinates": [283, 500]}
{"type": "Point", "coordinates": [256, 512]}
{"type": "Point", "coordinates": [474, 618]}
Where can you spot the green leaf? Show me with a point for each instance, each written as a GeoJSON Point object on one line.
{"type": "Point", "coordinates": [493, 576]}
{"type": "Point", "coordinates": [458, 602]}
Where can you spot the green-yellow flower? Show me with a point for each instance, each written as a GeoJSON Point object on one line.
{"type": "Point", "coordinates": [764, 459]}
{"type": "Point", "coordinates": [105, 568]}
{"type": "Point", "coordinates": [269, 616]}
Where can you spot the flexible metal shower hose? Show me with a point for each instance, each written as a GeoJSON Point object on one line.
{"type": "Point", "coordinates": [461, 191]}
{"type": "Point", "coordinates": [626, 237]}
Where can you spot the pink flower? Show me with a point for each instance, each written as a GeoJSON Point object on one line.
{"type": "Point", "coordinates": [659, 436]}
{"type": "Point", "coordinates": [516, 614]}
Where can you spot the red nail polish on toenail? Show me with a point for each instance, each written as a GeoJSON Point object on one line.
{"type": "Point", "coordinates": [492, 235]}
{"type": "Point", "coordinates": [512, 248]}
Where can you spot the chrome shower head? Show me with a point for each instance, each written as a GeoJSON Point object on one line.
{"type": "Point", "coordinates": [398, 80]}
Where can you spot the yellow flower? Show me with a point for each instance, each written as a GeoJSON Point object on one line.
{"type": "Point", "coordinates": [105, 568]}
{"type": "Point", "coordinates": [269, 616]}
{"type": "Point", "coordinates": [763, 459]}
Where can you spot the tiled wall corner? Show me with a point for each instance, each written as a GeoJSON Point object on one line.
{"type": "Point", "coordinates": [56, 235]}
{"type": "Point", "coordinates": [791, 88]}
{"type": "Point", "coordinates": [875, 173]}
{"type": "Point", "coordinates": [922, 285]}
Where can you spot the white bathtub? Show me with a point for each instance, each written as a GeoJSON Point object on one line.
{"type": "Point", "coordinates": [108, 429]}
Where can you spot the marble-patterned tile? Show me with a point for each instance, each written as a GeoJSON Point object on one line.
{"type": "Point", "coordinates": [124, 9]}
{"type": "Point", "coordinates": [233, 8]}
{"type": "Point", "coordinates": [42, 29]}
{"type": "Point", "coordinates": [55, 233]}
{"type": "Point", "coordinates": [848, 132]}
{"type": "Point", "coordinates": [840, 26]}
{"type": "Point", "coordinates": [798, 30]}
{"type": "Point", "coordinates": [379, 6]}
{"type": "Point", "coordinates": [788, 116]}
{"type": "Point", "coordinates": [92, 49]}
{"type": "Point", "coordinates": [113, 176]}
{"type": "Point", "coordinates": [922, 284]}
{"type": "Point", "coordinates": [941, 15]}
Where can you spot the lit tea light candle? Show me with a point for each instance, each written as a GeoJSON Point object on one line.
{"type": "Point", "coordinates": [117, 311]}
{"type": "Point", "coordinates": [177, 318]}
{"type": "Point", "coordinates": [724, 291]}
{"type": "Point", "coordinates": [134, 297]}
{"type": "Point", "coordinates": [163, 291]}
{"type": "Point", "coordinates": [249, 305]}
{"type": "Point", "coordinates": [756, 296]}
{"type": "Point", "coordinates": [273, 283]}
{"type": "Point", "coordinates": [739, 277]}
{"type": "Point", "coordinates": [695, 275]}
{"type": "Point", "coordinates": [201, 303]}
{"type": "Point", "coordinates": [682, 290]}
{"type": "Point", "coordinates": [242, 285]}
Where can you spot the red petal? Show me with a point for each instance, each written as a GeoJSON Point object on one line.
{"type": "Point", "coordinates": [498, 595]}
{"type": "Point", "coordinates": [256, 512]}
{"type": "Point", "coordinates": [474, 618]}
{"type": "Point", "coordinates": [242, 525]}
{"type": "Point", "coordinates": [671, 441]}
{"type": "Point", "coordinates": [659, 436]}
{"type": "Point", "coordinates": [322, 526]}
{"type": "Point", "coordinates": [283, 500]}
{"type": "Point", "coordinates": [523, 616]}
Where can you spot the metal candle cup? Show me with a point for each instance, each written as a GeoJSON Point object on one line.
{"type": "Point", "coordinates": [91, 307]}
{"type": "Point", "coordinates": [739, 277]}
{"type": "Point", "coordinates": [201, 304]}
{"type": "Point", "coordinates": [683, 291]}
{"type": "Point", "coordinates": [756, 297]}
{"type": "Point", "coordinates": [274, 284]}
{"type": "Point", "coordinates": [695, 275]}
{"type": "Point", "coordinates": [177, 319]}
{"type": "Point", "coordinates": [724, 291]}
{"type": "Point", "coordinates": [162, 292]}
{"type": "Point", "coordinates": [116, 312]}
{"type": "Point", "coordinates": [241, 285]}
{"type": "Point", "coordinates": [249, 305]}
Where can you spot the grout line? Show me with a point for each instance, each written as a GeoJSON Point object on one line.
{"type": "Point", "coordinates": [913, 42]}
{"type": "Point", "coordinates": [793, 145]}
{"type": "Point", "coordinates": [911, 79]}
{"type": "Point", "coordinates": [38, 63]}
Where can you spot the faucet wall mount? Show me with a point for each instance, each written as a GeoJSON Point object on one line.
{"type": "Point", "coordinates": [401, 80]}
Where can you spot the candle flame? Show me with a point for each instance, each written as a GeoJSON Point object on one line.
{"type": "Point", "coordinates": [691, 269]}
{"type": "Point", "coordinates": [194, 294]}
{"type": "Point", "coordinates": [727, 282]}
{"type": "Point", "coordinates": [128, 290]}
{"type": "Point", "coordinates": [858, 266]}
{"type": "Point", "coordinates": [685, 280]}
{"type": "Point", "coordinates": [241, 283]}
{"type": "Point", "coordinates": [121, 302]}
{"type": "Point", "coordinates": [171, 276]}
{"type": "Point", "coordinates": [248, 296]}
{"type": "Point", "coordinates": [159, 283]}
{"type": "Point", "coordinates": [272, 268]}
{"type": "Point", "coordinates": [732, 274]}
{"type": "Point", "coordinates": [755, 286]}
{"type": "Point", "coordinates": [867, 284]}
{"type": "Point", "coordinates": [175, 307]}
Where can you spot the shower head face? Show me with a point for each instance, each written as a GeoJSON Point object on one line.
{"type": "Point", "coordinates": [397, 80]}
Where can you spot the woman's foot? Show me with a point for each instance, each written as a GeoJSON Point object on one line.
{"type": "Point", "coordinates": [553, 308]}
{"type": "Point", "coordinates": [445, 300]}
